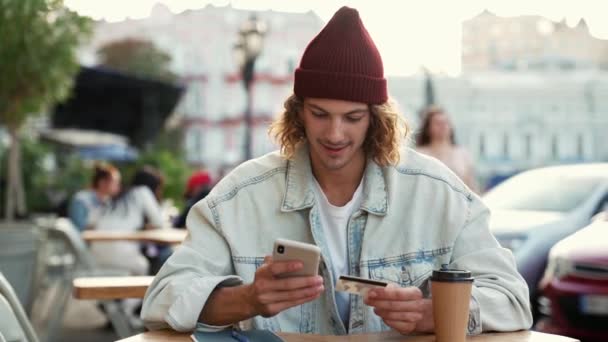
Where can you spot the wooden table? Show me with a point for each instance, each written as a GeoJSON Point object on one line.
{"type": "Point", "coordinates": [520, 336]}
{"type": "Point", "coordinates": [111, 287]}
{"type": "Point", "coordinates": [165, 236]}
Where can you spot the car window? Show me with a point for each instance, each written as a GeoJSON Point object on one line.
{"type": "Point", "coordinates": [542, 191]}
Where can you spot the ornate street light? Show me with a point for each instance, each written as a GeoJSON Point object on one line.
{"type": "Point", "coordinates": [246, 51]}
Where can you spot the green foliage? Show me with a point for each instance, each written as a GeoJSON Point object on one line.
{"type": "Point", "coordinates": [48, 182]}
{"type": "Point", "coordinates": [137, 57]}
{"type": "Point", "coordinates": [167, 156]}
{"type": "Point", "coordinates": [38, 42]}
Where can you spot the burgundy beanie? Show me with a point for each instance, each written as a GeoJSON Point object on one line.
{"type": "Point", "coordinates": [343, 63]}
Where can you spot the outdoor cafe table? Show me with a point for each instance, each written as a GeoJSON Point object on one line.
{"type": "Point", "coordinates": [519, 336]}
{"type": "Point", "coordinates": [165, 236]}
{"type": "Point", "coordinates": [101, 288]}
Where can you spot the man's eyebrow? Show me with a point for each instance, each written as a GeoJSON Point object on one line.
{"type": "Point", "coordinates": [354, 111]}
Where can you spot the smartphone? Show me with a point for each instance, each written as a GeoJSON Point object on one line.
{"type": "Point", "coordinates": [289, 250]}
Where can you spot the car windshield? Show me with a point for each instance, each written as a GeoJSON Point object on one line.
{"type": "Point", "coordinates": [542, 190]}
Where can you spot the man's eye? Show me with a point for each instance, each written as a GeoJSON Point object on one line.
{"type": "Point", "coordinates": [318, 114]}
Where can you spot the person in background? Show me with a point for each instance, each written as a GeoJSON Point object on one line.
{"type": "Point", "coordinates": [153, 180]}
{"type": "Point", "coordinates": [135, 208]}
{"type": "Point", "coordinates": [436, 139]}
{"type": "Point", "coordinates": [86, 205]}
{"type": "Point", "coordinates": [197, 188]}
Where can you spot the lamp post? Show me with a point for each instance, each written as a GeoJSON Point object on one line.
{"type": "Point", "coordinates": [246, 51]}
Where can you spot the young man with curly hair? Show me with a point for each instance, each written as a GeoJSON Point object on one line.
{"type": "Point", "coordinates": [341, 182]}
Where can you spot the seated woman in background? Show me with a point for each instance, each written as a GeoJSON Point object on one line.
{"type": "Point", "coordinates": [436, 139]}
{"type": "Point", "coordinates": [86, 205]}
{"type": "Point", "coordinates": [135, 208]}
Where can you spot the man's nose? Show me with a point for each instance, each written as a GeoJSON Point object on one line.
{"type": "Point", "coordinates": [335, 133]}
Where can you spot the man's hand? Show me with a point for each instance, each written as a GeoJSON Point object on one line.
{"type": "Point", "coordinates": [402, 308]}
{"type": "Point", "coordinates": [270, 295]}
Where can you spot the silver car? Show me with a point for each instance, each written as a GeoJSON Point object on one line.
{"type": "Point", "coordinates": [535, 209]}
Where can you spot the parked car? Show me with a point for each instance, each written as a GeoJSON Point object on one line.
{"type": "Point", "coordinates": [575, 286]}
{"type": "Point", "coordinates": [535, 209]}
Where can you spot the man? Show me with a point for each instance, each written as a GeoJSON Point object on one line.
{"type": "Point", "coordinates": [86, 205]}
{"type": "Point", "coordinates": [340, 183]}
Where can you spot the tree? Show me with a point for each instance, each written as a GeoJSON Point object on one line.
{"type": "Point", "coordinates": [137, 57]}
{"type": "Point", "coordinates": [38, 45]}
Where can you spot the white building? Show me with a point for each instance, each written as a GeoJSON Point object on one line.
{"type": "Point", "coordinates": [512, 121]}
{"type": "Point", "coordinates": [509, 120]}
{"type": "Point", "coordinates": [493, 42]}
{"type": "Point", "coordinates": [201, 45]}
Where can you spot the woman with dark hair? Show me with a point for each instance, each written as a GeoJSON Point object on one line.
{"type": "Point", "coordinates": [436, 139]}
{"type": "Point", "coordinates": [135, 208]}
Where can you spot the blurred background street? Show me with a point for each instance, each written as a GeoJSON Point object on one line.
{"type": "Point", "coordinates": [172, 95]}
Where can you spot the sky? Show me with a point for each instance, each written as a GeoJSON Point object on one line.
{"type": "Point", "coordinates": [409, 34]}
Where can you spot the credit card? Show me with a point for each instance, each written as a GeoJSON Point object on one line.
{"type": "Point", "coordinates": [357, 286]}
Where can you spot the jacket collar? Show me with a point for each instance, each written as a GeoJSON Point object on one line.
{"type": "Point", "coordinates": [299, 193]}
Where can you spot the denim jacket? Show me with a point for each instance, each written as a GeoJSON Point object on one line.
{"type": "Point", "coordinates": [414, 217]}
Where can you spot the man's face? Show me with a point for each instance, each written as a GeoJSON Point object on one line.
{"type": "Point", "coordinates": [336, 131]}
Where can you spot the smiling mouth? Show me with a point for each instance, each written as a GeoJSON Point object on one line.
{"type": "Point", "coordinates": [333, 149]}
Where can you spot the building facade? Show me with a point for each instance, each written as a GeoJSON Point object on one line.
{"type": "Point", "coordinates": [515, 121]}
{"type": "Point", "coordinates": [201, 43]}
{"type": "Point", "coordinates": [527, 42]}
{"type": "Point", "coordinates": [522, 102]}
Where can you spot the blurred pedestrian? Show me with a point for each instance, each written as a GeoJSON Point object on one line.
{"type": "Point", "coordinates": [86, 205]}
{"type": "Point", "coordinates": [436, 139]}
{"type": "Point", "coordinates": [197, 188]}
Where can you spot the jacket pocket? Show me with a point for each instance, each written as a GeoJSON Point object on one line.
{"type": "Point", "coordinates": [410, 269]}
{"type": "Point", "coordinates": [245, 266]}
{"type": "Point", "coordinates": [406, 274]}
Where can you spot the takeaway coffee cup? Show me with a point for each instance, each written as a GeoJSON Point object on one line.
{"type": "Point", "coordinates": [451, 294]}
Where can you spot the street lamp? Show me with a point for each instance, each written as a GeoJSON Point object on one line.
{"type": "Point", "coordinates": [246, 51]}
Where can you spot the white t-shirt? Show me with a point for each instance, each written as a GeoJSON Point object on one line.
{"type": "Point", "coordinates": [127, 216]}
{"type": "Point", "coordinates": [334, 221]}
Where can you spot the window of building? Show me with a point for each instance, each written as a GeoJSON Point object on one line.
{"type": "Point", "coordinates": [482, 146]}
{"type": "Point", "coordinates": [505, 146]}
{"type": "Point", "coordinates": [528, 145]}
{"type": "Point", "coordinates": [580, 146]}
{"type": "Point", "coordinates": [554, 148]}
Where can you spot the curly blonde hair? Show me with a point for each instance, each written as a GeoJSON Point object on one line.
{"type": "Point", "coordinates": [384, 135]}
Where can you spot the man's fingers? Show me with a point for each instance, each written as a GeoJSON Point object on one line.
{"type": "Point", "coordinates": [412, 317]}
{"type": "Point", "coordinates": [268, 285]}
{"type": "Point", "coordinates": [402, 327]}
{"type": "Point", "coordinates": [278, 307]}
{"type": "Point", "coordinates": [280, 267]}
{"type": "Point", "coordinates": [395, 293]}
{"type": "Point", "coordinates": [295, 283]}
{"type": "Point", "coordinates": [290, 296]}
{"type": "Point", "coordinates": [393, 305]}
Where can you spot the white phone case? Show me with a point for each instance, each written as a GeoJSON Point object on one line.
{"type": "Point", "coordinates": [289, 250]}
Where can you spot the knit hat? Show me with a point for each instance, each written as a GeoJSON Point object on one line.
{"type": "Point", "coordinates": [343, 63]}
